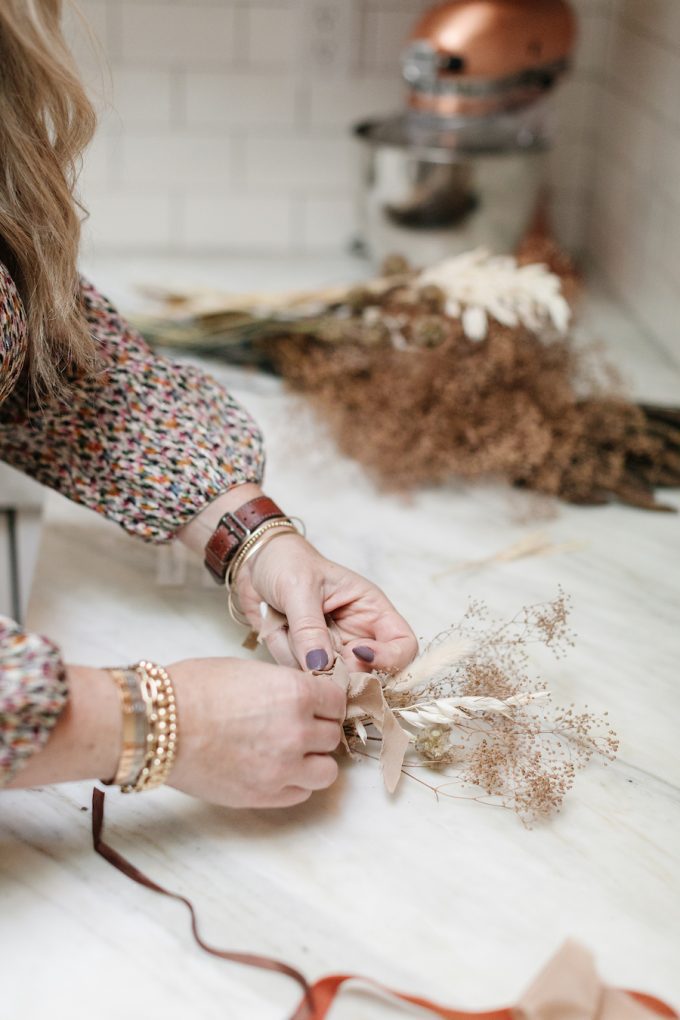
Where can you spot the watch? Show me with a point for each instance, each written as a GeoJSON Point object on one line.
{"type": "Point", "coordinates": [234, 528]}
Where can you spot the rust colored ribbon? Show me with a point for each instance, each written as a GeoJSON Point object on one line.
{"type": "Point", "coordinates": [118, 861]}
{"type": "Point", "coordinates": [325, 991]}
{"type": "Point", "coordinates": [318, 998]}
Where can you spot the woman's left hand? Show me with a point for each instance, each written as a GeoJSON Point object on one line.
{"type": "Point", "coordinates": [291, 576]}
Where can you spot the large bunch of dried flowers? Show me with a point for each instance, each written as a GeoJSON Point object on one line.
{"type": "Point", "coordinates": [428, 381]}
{"type": "Point", "coordinates": [465, 369]}
{"type": "Point", "coordinates": [469, 707]}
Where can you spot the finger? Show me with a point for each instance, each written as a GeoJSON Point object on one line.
{"type": "Point", "coordinates": [392, 645]}
{"type": "Point", "coordinates": [280, 650]}
{"type": "Point", "coordinates": [324, 736]}
{"type": "Point", "coordinates": [383, 639]}
{"type": "Point", "coordinates": [307, 631]}
{"type": "Point", "coordinates": [396, 653]}
{"type": "Point", "coordinates": [329, 700]}
{"type": "Point", "coordinates": [289, 796]}
{"type": "Point", "coordinates": [317, 772]}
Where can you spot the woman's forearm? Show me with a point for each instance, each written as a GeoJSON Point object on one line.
{"type": "Point", "coordinates": [86, 741]}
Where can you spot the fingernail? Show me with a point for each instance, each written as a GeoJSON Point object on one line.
{"type": "Point", "coordinates": [316, 659]}
{"type": "Point", "coordinates": [364, 653]}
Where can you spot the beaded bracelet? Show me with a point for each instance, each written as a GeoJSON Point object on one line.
{"type": "Point", "coordinates": [159, 696]}
{"type": "Point", "coordinates": [149, 727]}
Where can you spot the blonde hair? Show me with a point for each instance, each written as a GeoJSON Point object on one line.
{"type": "Point", "coordinates": [46, 120]}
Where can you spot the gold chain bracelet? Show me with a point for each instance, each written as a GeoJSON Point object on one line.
{"type": "Point", "coordinates": [149, 727]}
{"type": "Point", "coordinates": [159, 695]}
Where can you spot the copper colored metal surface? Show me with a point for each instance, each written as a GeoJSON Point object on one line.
{"type": "Point", "coordinates": [463, 165]}
{"type": "Point", "coordinates": [475, 57]}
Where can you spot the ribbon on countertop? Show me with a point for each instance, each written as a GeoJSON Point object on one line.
{"type": "Point", "coordinates": [568, 988]}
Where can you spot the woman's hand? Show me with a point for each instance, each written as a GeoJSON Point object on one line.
{"type": "Point", "coordinates": [249, 734]}
{"type": "Point", "coordinates": [252, 734]}
{"type": "Point", "coordinates": [291, 576]}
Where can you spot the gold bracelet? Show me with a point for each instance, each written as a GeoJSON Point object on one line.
{"type": "Point", "coordinates": [135, 726]}
{"type": "Point", "coordinates": [254, 539]}
{"type": "Point", "coordinates": [161, 740]}
{"type": "Point", "coordinates": [253, 542]}
{"type": "Point", "coordinates": [258, 538]}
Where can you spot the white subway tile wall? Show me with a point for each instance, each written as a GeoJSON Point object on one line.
{"type": "Point", "coordinates": [225, 123]}
{"type": "Point", "coordinates": [634, 220]}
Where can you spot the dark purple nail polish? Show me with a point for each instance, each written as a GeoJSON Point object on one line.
{"type": "Point", "coordinates": [316, 659]}
{"type": "Point", "coordinates": [364, 653]}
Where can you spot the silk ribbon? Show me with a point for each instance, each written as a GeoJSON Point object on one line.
{"type": "Point", "coordinates": [567, 989]}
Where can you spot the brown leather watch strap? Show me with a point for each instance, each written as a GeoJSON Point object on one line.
{"type": "Point", "coordinates": [233, 530]}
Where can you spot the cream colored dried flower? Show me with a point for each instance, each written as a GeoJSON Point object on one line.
{"type": "Point", "coordinates": [438, 656]}
{"type": "Point", "coordinates": [478, 285]}
{"type": "Point", "coordinates": [444, 711]}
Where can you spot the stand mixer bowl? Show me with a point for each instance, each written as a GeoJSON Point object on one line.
{"type": "Point", "coordinates": [464, 164]}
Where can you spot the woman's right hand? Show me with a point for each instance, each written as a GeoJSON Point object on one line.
{"type": "Point", "coordinates": [255, 735]}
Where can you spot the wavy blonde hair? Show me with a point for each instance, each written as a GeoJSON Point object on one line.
{"type": "Point", "coordinates": [46, 120]}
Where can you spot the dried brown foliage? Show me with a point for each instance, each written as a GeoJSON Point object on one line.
{"type": "Point", "coordinates": [407, 393]}
{"type": "Point", "coordinates": [527, 757]}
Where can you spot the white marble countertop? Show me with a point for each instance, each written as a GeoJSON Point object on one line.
{"type": "Point", "coordinates": [448, 898]}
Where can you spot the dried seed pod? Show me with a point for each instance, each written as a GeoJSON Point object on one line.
{"type": "Point", "coordinates": [376, 334]}
{"type": "Point", "coordinates": [432, 298]}
{"type": "Point", "coordinates": [404, 296]}
{"type": "Point", "coordinates": [359, 298]}
{"type": "Point", "coordinates": [428, 330]}
{"type": "Point", "coordinates": [394, 265]}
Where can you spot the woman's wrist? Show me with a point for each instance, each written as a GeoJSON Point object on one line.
{"type": "Point", "coordinates": [197, 532]}
{"type": "Point", "coordinates": [150, 731]}
{"type": "Point", "coordinates": [87, 738]}
{"type": "Point", "coordinates": [92, 738]}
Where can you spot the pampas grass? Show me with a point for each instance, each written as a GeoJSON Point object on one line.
{"type": "Point", "coordinates": [438, 656]}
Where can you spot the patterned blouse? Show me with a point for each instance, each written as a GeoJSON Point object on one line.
{"type": "Point", "coordinates": [146, 442]}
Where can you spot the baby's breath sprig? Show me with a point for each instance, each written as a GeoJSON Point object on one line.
{"type": "Point", "coordinates": [469, 704]}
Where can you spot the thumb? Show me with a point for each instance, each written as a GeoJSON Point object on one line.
{"type": "Point", "coordinates": [307, 631]}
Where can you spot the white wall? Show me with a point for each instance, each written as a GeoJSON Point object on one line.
{"type": "Point", "coordinates": [225, 122]}
{"type": "Point", "coordinates": [634, 226]}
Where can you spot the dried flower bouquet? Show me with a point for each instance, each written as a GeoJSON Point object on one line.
{"type": "Point", "coordinates": [469, 707]}
{"type": "Point", "coordinates": [465, 369]}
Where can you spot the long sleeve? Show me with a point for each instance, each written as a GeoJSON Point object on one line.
{"type": "Point", "coordinates": [33, 693]}
{"type": "Point", "coordinates": [148, 442]}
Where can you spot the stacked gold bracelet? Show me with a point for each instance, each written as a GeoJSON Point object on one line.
{"type": "Point", "coordinates": [135, 726]}
{"type": "Point", "coordinates": [149, 727]}
{"type": "Point", "coordinates": [278, 526]}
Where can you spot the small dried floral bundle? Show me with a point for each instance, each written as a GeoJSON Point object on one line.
{"type": "Point", "coordinates": [467, 706]}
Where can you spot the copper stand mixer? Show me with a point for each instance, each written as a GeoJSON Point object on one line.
{"type": "Point", "coordinates": [464, 163]}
